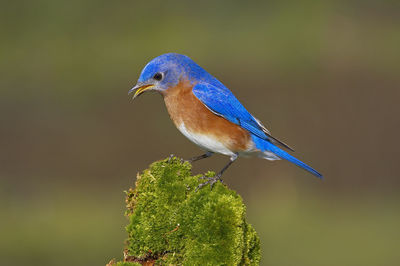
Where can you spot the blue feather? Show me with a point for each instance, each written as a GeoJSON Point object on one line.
{"type": "Point", "coordinates": [268, 146]}
{"type": "Point", "coordinates": [222, 102]}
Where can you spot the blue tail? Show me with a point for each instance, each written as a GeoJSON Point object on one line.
{"type": "Point", "coordinates": [268, 146]}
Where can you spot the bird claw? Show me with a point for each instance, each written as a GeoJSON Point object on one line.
{"type": "Point", "coordinates": [185, 161]}
{"type": "Point", "coordinates": [211, 181]}
{"type": "Point", "coordinates": [171, 156]}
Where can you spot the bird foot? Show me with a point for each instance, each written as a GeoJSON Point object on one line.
{"type": "Point", "coordinates": [210, 180]}
{"type": "Point", "coordinates": [171, 156]}
{"type": "Point", "coordinates": [185, 161]}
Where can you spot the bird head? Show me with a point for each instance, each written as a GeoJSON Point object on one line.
{"type": "Point", "coordinates": [166, 71]}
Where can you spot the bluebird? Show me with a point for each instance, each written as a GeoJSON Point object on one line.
{"type": "Point", "coordinates": [208, 114]}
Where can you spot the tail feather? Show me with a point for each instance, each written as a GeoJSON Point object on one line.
{"type": "Point", "coordinates": [268, 146]}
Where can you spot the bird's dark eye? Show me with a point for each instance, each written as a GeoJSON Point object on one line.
{"type": "Point", "coordinates": [158, 76]}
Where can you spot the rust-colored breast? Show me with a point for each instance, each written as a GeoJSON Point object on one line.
{"type": "Point", "coordinates": [184, 107]}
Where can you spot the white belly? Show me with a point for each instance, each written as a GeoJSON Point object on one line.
{"type": "Point", "coordinates": [205, 142]}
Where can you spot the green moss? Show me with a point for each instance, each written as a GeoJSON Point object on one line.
{"type": "Point", "coordinates": [171, 223]}
{"type": "Point", "coordinates": [128, 264]}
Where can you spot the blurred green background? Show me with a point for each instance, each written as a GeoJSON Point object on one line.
{"type": "Point", "coordinates": [322, 75]}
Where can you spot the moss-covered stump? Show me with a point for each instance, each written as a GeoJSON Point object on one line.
{"type": "Point", "coordinates": [171, 223]}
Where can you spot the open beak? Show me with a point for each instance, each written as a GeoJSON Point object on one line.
{"type": "Point", "coordinates": [139, 89]}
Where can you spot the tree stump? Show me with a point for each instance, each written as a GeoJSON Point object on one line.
{"type": "Point", "coordinates": [172, 224]}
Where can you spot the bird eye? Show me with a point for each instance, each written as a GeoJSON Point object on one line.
{"type": "Point", "coordinates": [158, 76]}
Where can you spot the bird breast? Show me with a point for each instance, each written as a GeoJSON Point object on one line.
{"type": "Point", "coordinates": [204, 128]}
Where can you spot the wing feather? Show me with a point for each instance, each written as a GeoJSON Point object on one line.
{"type": "Point", "coordinates": [222, 102]}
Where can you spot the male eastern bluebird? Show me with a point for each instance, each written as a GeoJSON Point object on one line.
{"type": "Point", "coordinates": [208, 114]}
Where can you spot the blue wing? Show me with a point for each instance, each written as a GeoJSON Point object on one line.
{"type": "Point", "coordinates": [221, 101]}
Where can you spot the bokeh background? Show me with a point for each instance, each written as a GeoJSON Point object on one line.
{"type": "Point", "coordinates": [322, 75]}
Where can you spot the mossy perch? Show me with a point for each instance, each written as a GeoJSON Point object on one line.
{"type": "Point", "coordinates": [171, 223]}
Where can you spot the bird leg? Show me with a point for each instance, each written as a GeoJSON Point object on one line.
{"type": "Point", "coordinates": [217, 177]}
{"type": "Point", "coordinates": [203, 156]}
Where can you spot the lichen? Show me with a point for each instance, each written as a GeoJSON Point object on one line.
{"type": "Point", "coordinates": [171, 223]}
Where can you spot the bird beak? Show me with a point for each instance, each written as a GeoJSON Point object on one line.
{"type": "Point", "coordinates": [139, 89]}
